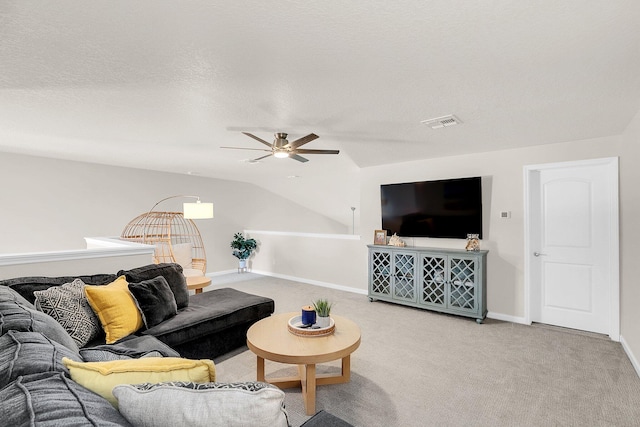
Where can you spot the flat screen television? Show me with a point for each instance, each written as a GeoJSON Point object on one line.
{"type": "Point", "coordinates": [449, 208]}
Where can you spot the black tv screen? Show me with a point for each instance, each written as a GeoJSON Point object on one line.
{"type": "Point", "coordinates": [450, 208]}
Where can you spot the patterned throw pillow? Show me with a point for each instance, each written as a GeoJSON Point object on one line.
{"type": "Point", "coordinates": [68, 305]}
{"type": "Point", "coordinates": [210, 404]}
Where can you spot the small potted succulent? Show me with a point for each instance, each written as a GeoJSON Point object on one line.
{"type": "Point", "coordinates": [242, 249]}
{"type": "Point", "coordinates": [323, 310]}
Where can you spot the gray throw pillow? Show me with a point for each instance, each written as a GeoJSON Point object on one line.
{"type": "Point", "coordinates": [17, 317]}
{"type": "Point", "coordinates": [52, 399]}
{"type": "Point", "coordinates": [69, 306]}
{"type": "Point", "coordinates": [172, 272]}
{"type": "Point", "coordinates": [171, 404]}
{"type": "Point", "coordinates": [24, 353]}
{"type": "Point", "coordinates": [154, 300]}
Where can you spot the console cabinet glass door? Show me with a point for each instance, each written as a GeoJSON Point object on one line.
{"type": "Point", "coordinates": [446, 280]}
{"type": "Point", "coordinates": [404, 276]}
{"type": "Point", "coordinates": [380, 280]}
{"type": "Point", "coordinates": [433, 280]}
{"type": "Point", "coordinates": [463, 284]}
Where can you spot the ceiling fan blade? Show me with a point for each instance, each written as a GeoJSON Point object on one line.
{"type": "Point", "coordinates": [301, 141]}
{"type": "Point", "coordinates": [298, 158]}
{"type": "Point", "coordinates": [307, 151]}
{"type": "Point", "coordinates": [258, 139]}
{"type": "Point", "coordinates": [263, 157]}
{"type": "Point", "coordinates": [243, 148]}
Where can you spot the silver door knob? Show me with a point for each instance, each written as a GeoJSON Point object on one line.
{"type": "Point", "coordinates": [538, 254]}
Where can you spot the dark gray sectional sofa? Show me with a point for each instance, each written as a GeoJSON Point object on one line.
{"type": "Point", "coordinates": [207, 325]}
{"type": "Point", "coordinates": [36, 388]}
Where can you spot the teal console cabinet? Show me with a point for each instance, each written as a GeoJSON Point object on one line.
{"type": "Point", "coordinates": [446, 280]}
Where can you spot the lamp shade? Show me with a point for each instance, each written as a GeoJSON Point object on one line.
{"type": "Point", "coordinates": [197, 210]}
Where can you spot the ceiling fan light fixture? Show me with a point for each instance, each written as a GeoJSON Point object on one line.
{"type": "Point", "coordinates": [282, 148]}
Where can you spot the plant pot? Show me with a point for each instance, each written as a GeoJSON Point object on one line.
{"type": "Point", "coordinates": [242, 265]}
{"type": "Point", "coordinates": [323, 322]}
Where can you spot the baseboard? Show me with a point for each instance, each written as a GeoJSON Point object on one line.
{"type": "Point", "coordinates": [490, 315]}
{"type": "Point", "coordinates": [630, 355]}
{"type": "Point", "coordinates": [312, 282]}
{"type": "Point", "coordinates": [507, 318]}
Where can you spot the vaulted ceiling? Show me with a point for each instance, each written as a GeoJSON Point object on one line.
{"type": "Point", "coordinates": [162, 85]}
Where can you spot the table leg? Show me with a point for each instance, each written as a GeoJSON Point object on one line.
{"type": "Point", "coordinates": [308, 383]}
{"type": "Point", "coordinates": [346, 368]}
{"type": "Point", "coordinates": [260, 369]}
{"type": "Point", "coordinates": [307, 380]}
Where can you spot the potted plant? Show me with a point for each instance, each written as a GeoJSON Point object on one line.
{"type": "Point", "coordinates": [242, 249]}
{"type": "Point", "coordinates": [323, 310]}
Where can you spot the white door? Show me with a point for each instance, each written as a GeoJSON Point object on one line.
{"type": "Point", "coordinates": [572, 245]}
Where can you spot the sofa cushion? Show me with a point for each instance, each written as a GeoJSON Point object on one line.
{"type": "Point", "coordinates": [52, 399]}
{"type": "Point", "coordinates": [102, 377]}
{"type": "Point", "coordinates": [171, 272]}
{"type": "Point", "coordinates": [131, 347]}
{"type": "Point", "coordinates": [115, 308]}
{"type": "Point", "coordinates": [68, 305]}
{"type": "Point", "coordinates": [252, 404]}
{"type": "Point", "coordinates": [154, 300]}
{"type": "Point", "coordinates": [8, 294]}
{"type": "Point", "coordinates": [18, 317]}
{"type": "Point", "coordinates": [24, 353]}
{"type": "Point", "coordinates": [26, 286]}
{"type": "Point", "coordinates": [211, 312]}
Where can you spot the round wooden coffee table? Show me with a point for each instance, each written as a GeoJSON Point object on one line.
{"type": "Point", "coordinates": [197, 283]}
{"type": "Point", "coordinates": [270, 339]}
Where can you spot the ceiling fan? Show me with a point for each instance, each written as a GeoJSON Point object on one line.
{"type": "Point", "coordinates": [282, 148]}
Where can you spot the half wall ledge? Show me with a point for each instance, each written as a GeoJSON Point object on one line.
{"type": "Point", "coordinates": [97, 247]}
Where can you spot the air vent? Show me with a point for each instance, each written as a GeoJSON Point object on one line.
{"type": "Point", "coordinates": [440, 122]}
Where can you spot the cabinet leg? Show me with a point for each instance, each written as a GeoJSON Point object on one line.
{"type": "Point", "coordinates": [479, 321]}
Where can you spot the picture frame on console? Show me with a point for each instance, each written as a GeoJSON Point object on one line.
{"type": "Point", "coordinates": [380, 237]}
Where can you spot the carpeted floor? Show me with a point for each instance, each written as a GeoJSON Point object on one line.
{"type": "Point", "coordinates": [419, 368]}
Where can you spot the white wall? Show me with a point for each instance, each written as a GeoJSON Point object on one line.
{"type": "Point", "coordinates": [323, 259]}
{"type": "Point", "coordinates": [629, 238]}
{"type": "Point", "coordinates": [502, 173]}
{"type": "Point", "coordinates": [48, 204]}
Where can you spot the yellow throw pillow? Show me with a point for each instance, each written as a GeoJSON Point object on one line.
{"type": "Point", "coordinates": [102, 377]}
{"type": "Point", "coordinates": [116, 309]}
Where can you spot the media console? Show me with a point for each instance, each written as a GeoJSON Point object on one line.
{"type": "Point", "coordinates": [446, 280]}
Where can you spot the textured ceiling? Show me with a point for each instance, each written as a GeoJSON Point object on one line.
{"type": "Point", "coordinates": [163, 84]}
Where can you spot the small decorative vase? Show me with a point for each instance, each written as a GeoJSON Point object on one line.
{"type": "Point", "coordinates": [473, 242]}
{"type": "Point", "coordinates": [242, 265]}
{"type": "Point", "coordinates": [323, 322]}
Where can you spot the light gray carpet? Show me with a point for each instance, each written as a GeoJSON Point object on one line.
{"type": "Point", "coordinates": [418, 368]}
